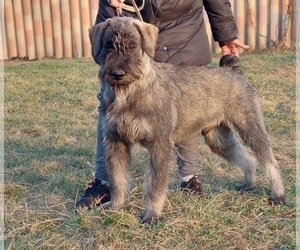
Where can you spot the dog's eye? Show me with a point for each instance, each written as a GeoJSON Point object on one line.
{"type": "Point", "coordinates": [109, 45]}
{"type": "Point", "coordinates": [132, 45]}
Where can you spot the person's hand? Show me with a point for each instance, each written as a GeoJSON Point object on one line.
{"type": "Point", "coordinates": [233, 47]}
{"type": "Point", "coordinates": [115, 3]}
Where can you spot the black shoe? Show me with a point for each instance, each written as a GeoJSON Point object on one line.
{"type": "Point", "coordinates": [96, 194]}
{"type": "Point", "coordinates": [193, 185]}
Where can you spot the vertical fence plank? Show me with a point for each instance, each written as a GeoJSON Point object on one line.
{"type": "Point", "coordinates": [76, 29]}
{"type": "Point", "coordinates": [38, 29]}
{"type": "Point", "coordinates": [1, 34]}
{"type": "Point", "coordinates": [286, 23]}
{"type": "Point", "coordinates": [47, 28]}
{"type": "Point", "coordinates": [251, 23]}
{"type": "Point", "coordinates": [274, 7]}
{"type": "Point", "coordinates": [20, 31]}
{"type": "Point", "coordinates": [66, 24]}
{"type": "Point", "coordinates": [57, 29]}
{"type": "Point", "coordinates": [85, 17]}
{"type": "Point", "coordinates": [93, 10]}
{"type": "Point", "coordinates": [262, 21]}
{"type": "Point", "coordinates": [3, 43]}
{"type": "Point", "coordinates": [240, 18]}
{"type": "Point", "coordinates": [293, 24]}
{"type": "Point", "coordinates": [29, 29]}
{"type": "Point", "coordinates": [10, 29]}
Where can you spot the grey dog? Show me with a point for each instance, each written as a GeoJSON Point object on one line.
{"type": "Point", "coordinates": [158, 105]}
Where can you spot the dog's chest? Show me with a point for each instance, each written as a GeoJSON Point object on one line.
{"type": "Point", "coordinates": [128, 123]}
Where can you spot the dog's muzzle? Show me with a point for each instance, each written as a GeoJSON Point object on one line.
{"type": "Point", "coordinates": [117, 74]}
{"type": "Point", "coordinates": [115, 77]}
{"type": "Point", "coordinates": [118, 77]}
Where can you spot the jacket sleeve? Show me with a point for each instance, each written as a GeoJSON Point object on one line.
{"type": "Point", "coordinates": [221, 20]}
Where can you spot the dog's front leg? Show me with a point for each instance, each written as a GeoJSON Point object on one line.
{"type": "Point", "coordinates": [117, 161]}
{"type": "Point", "coordinates": [156, 181]}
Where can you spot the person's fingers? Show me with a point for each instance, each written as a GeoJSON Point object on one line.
{"type": "Point", "coordinates": [238, 43]}
{"type": "Point", "coordinates": [115, 3]}
{"type": "Point", "coordinates": [236, 52]}
{"type": "Point", "coordinates": [230, 50]}
{"type": "Point", "coordinates": [233, 47]}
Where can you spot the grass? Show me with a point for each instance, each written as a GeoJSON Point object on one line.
{"type": "Point", "coordinates": [50, 131]}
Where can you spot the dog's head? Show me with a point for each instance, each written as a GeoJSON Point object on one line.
{"type": "Point", "coordinates": [120, 46]}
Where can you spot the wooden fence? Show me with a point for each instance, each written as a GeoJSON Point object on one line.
{"type": "Point", "coordinates": [36, 29]}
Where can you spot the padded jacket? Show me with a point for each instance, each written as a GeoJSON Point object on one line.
{"type": "Point", "coordinates": [182, 38]}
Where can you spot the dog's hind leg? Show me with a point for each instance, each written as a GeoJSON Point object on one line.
{"type": "Point", "coordinates": [223, 142]}
{"type": "Point", "coordinates": [254, 134]}
{"type": "Point", "coordinates": [117, 161]}
{"type": "Point", "coordinates": [156, 180]}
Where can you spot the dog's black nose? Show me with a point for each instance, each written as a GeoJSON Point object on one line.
{"type": "Point", "coordinates": [117, 74]}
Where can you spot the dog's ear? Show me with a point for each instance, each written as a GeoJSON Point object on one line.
{"type": "Point", "coordinates": [149, 35]}
{"type": "Point", "coordinates": [96, 33]}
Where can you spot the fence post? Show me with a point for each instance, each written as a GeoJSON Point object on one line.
{"type": "Point", "coordinates": [38, 29]}
{"type": "Point", "coordinates": [10, 28]}
{"type": "Point", "coordinates": [29, 29]}
{"type": "Point", "coordinates": [20, 32]}
{"type": "Point", "coordinates": [57, 29]}
{"type": "Point", "coordinates": [76, 29]}
{"type": "Point", "coordinates": [47, 27]}
{"type": "Point", "coordinates": [67, 33]}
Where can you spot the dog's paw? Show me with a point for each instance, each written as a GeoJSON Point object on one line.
{"type": "Point", "coordinates": [245, 188]}
{"type": "Point", "coordinates": [150, 217]}
{"type": "Point", "coordinates": [277, 200]}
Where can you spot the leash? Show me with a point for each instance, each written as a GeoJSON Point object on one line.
{"type": "Point", "coordinates": [137, 11]}
{"type": "Point", "coordinates": [133, 8]}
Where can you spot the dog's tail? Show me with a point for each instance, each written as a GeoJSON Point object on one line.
{"type": "Point", "coordinates": [231, 61]}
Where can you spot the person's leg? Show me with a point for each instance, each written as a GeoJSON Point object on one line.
{"type": "Point", "coordinates": [100, 170]}
{"type": "Point", "coordinates": [188, 163]}
{"type": "Point", "coordinates": [98, 190]}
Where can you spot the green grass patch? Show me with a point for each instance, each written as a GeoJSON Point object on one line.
{"type": "Point", "coordinates": [50, 137]}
